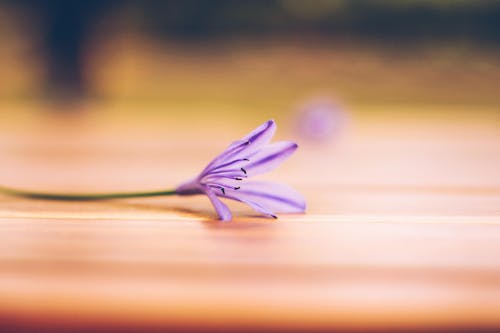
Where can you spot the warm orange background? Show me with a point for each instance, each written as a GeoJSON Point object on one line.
{"type": "Point", "coordinates": [402, 230]}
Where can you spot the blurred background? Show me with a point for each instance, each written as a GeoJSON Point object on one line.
{"type": "Point", "coordinates": [248, 59]}
{"type": "Point", "coordinates": [395, 106]}
{"type": "Point", "coordinates": [333, 73]}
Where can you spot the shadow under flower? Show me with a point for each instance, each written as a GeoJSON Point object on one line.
{"type": "Point", "coordinates": [207, 218]}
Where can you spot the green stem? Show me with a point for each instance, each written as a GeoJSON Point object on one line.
{"type": "Point", "coordinates": [82, 196]}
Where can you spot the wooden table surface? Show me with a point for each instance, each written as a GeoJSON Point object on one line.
{"type": "Point", "coordinates": [402, 230]}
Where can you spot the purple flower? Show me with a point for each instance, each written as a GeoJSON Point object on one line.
{"type": "Point", "coordinates": [320, 120]}
{"type": "Point", "coordinates": [226, 176]}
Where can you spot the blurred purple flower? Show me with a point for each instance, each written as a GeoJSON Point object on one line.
{"type": "Point", "coordinates": [320, 119]}
{"type": "Point", "coordinates": [226, 176]}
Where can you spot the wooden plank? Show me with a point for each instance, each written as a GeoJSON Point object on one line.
{"type": "Point", "coordinates": [399, 234]}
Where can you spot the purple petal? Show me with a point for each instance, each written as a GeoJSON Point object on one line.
{"type": "Point", "coordinates": [269, 197]}
{"type": "Point", "coordinates": [228, 166]}
{"type": "Point", "coordinates": [269, 157]}
{"type": "Point", "coordinates": [220, 183]}
{"type": "Point", "coordinates": [255, 206]}
{"type": "Point", "coordinates": [262, 134]}
{"type": "Point", "coordinates": [221, 208]}
{"type": "Point", "coordinates": [246, 146]}
{"type": "Point", "coordinates": [236, 174]}
{"type": "Point", "coordinates": [233, 149]}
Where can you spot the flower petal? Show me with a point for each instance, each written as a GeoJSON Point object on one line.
{"type": "Point", "coordinates": [262, 134]}
{"type": "Point", "coordinates": [269, 197]}
{"type": "Point", "coordinates": [269, 157]}
{"type": "Point", "coordinates": [246, 146]}
{"type": "Point", "coordinates": [257, 207]}
{"type": "Point", "coordinates": [221, 208]}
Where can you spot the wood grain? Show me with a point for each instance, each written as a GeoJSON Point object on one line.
{"type": "Point", "coordinates": [402, 232]}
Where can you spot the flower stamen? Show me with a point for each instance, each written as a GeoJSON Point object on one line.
{"type": "Point", "coordinates": [229, 164]}
{"type": "Point", "coordinates": [223, 187]}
